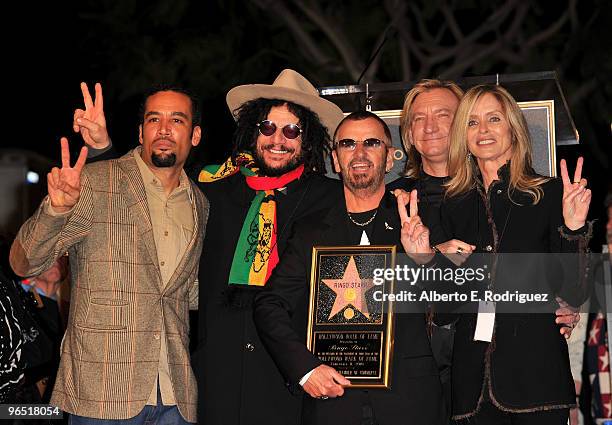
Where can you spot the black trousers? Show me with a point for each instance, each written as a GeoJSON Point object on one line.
{"type": "Point", "coordinates": [491, 415]}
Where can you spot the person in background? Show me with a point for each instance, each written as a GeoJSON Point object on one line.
{"type": "Point", "coordinates": [597, 345]}
{"type": "Point", "coordinates": [44, 292]}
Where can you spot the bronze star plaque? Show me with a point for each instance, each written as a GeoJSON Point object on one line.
{"type": "Point", "coordinates": [350, 328]}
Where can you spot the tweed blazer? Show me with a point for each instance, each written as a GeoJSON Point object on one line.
{"type": "Point", "coordinates": [119, 306]}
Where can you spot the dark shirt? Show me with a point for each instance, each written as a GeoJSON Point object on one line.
{"type": "Point", "coordinates": [430, 190]}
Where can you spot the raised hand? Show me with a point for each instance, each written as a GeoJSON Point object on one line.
{"type": "Point", "coordinates": [64, 184]}
{"type": "Point", "coordinates": [325, 382]}
{"type": "Point", "coordinates": [91, 122]}
{"type": "Point", "coordinates": [414, 236]}
{"type": "Point", "coordinates": [576, 197]}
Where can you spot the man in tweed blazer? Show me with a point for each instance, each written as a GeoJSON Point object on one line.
{"type": "Point", "coordinates": [133, 228]}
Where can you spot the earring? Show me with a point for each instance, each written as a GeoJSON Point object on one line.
{"type": "Point", "coordinates": [469, 156]}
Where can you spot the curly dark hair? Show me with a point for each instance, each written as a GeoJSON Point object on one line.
{"type": "Point", "coordinates": [315, 138]}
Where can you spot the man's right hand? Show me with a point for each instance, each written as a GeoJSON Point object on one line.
{"type": "Point", "coordinates": [325, 382]}
{"type": "Point", "coordinates": [64, 184]}
{"type": "Point", "coordinates": [91, 122]}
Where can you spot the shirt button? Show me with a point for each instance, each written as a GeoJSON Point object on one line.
{"type": "Point", "coordinates": [489, 248]}
{"type": "Point", "coordinates": [249, 346]}
{"type": "Point", "coordinates": [162, 263]}
{"type": "Point", "coordinates": [166, 233]}
{"type": "Point", "coordinates": [156, 336]}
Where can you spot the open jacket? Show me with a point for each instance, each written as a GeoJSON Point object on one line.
{"type": "Point", "coordinates": [281, 311]}
{"type": "Point", "coordinates": [238, 381]}
{"type": "Point", "coordinates": [119, 304]}
{"type": "Point", "coordinates": [526, 366]}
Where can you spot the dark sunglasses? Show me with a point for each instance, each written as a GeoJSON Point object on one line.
{"type": "Point", "coordinates": [350, 144]}
{"type": "Point", "coordinates": [268, 128]}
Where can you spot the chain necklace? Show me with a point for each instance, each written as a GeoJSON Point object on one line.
{"type": "Point", "coordinates": [363, 224]}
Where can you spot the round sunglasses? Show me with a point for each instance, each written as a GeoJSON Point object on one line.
{"type": "Point", "coordinates": [268, 128]}
{"type": "Point", "coordinates": [350, 144]}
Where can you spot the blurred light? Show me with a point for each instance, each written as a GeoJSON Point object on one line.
{"type": "Point", "coordinates": [32, 177]}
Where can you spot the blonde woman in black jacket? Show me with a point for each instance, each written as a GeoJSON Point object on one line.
{"type": "Point", "coordinates": [495, 201]}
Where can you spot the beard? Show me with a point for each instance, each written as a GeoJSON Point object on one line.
{"type": "Point", "coordinates": [363, 181]}
{"type": "Point", "coordinates": [266, 170]}
{"type": "Point", "coordinates": [163, 160]}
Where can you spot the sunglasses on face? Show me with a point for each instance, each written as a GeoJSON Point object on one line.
{"type": "Point", "coordinates": [350, 144]}
{"type": "Point", "coordinates": [268, 128]}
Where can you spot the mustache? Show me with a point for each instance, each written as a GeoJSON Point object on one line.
{"type": "Point", "coordinates": [164, 138]}
{"type": "Point", "coordinates": [273, 146]}
{"type": "Point", "coordinates": [362, 160]}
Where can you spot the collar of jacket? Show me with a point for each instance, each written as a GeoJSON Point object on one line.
{"type": "Point", "coordinates": [503, 175]}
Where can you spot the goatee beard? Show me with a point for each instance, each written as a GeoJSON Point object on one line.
{"type": "Point", "coordinates": [361, 182]}
{"type": "Point", "coordinates": [163, 161]}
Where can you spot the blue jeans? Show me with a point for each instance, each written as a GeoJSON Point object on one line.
{"type": "Point", "coordinates": [149, 415]}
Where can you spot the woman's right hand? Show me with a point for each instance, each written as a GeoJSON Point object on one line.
{"type": "Point", "coordinates": [457, 251]}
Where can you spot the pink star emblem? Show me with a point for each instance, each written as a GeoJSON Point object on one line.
{"type": "Point", "coordinates": [350, 290]}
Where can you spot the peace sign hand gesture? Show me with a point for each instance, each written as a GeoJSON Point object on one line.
{"type": "Point", "coordinates": [91, 122]}
{"type": "Point", "coordinates": [64, 184]}
{"type": "Point", "coordinates": [576, 198]}
{"type": "Point", "coordinates": [414, 236]}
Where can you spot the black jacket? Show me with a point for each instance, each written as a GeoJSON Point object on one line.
{"type": "Point", "coordinates": [238, 381]}
{"type": "Point", "coordinates": [281, 317]}
{"type": "Point", "coordinates": [526, 367]}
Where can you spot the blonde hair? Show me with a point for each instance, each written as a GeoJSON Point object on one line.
{"type": "Point", "coordinates": [463, 169]}
{"type": "Point", "coordinates": [413, 162]}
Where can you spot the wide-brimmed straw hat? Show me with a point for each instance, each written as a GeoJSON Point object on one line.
{"type": "Point", "coordinates": [292, 87]}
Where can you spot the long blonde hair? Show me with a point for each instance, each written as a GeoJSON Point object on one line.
{"type": "Point", "coordinates": [463, 169]}
{"type": "Point", "coordinates": [413, 162]}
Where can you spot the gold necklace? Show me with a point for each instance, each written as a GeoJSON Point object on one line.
{"type": "Point", "coordinates": [362, 224]}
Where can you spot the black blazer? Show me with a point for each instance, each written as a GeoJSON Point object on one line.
{"type": "Point", "coordinates": [238, 382]}
{"type": "Point", "coordinates": [526, 367]}
{"type": "Point", "coordinates": [280, 313]}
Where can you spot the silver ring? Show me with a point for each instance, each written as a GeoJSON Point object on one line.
{"type": "Point", "coordinates": [323, 397]}
{"type": "Point", "coordinates": [459, 250]}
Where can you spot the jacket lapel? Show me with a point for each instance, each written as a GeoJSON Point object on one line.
{"type": "Point", "coordinates": [132, 188]}
{"type": "Point", "coordinates": [387, 227]}
{"type": "Point", "coordinates": [335, 229]}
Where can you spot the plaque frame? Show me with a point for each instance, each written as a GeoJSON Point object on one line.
{"type": "Point", "coordinates": [384, 327]}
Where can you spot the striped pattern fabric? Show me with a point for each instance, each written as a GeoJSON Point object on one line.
{"type": "Point", "coordinates": [119, 306]}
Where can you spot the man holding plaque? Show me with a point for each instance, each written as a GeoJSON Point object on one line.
{"type": "Point", "coordinates": [366, 216]}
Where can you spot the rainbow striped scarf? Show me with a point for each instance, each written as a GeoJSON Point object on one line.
{"type": "Point", "coordinates": [256, 253]}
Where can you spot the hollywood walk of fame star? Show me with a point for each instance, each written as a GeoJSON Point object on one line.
{"type": "Point", "coordinates": [350, 290]}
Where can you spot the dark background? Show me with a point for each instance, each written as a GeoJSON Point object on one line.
{"type": "Point", "coordinates": [211, 46]}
